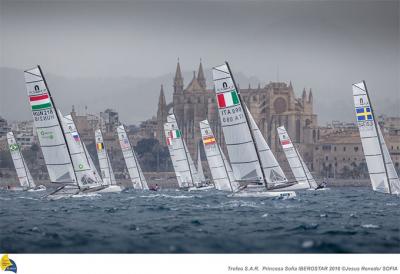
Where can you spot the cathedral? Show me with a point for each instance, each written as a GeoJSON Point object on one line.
{"type": "Point", "coordinates": [272, 105]}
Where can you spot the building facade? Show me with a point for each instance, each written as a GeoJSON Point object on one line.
{"type": "Point", "coordinates": [271, 105]}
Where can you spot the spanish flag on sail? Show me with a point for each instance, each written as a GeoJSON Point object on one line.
{"type": "Point", "coordinates": [100, 146]}
{"type": "Point", "coordinates": [209, 140]}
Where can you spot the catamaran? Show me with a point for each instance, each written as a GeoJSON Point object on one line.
{"type": "Point", "coordinates": [24, 176]}
{"type": "Point", "coordinates": [296, 162]}
{"type": "Point", "coordinates": [189, 176]}
{"type": "Point", "coordinates": [174, 157]}
{"type": "Point", "coordinates": [249, 154]}
{"type": "Point", "coordinates": [220, 168]}
{"type": "Point", "coordinates": [106, 171]}
{"type": "Point", "coordinates": [72, 176]}
{"type": "Point", "coordinates": [131, 161]}
{"type": "Point", "coordinates": [381, 170]}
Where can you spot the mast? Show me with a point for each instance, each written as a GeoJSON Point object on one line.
{"type": "Point", "coordinates": [379, 138]}
{"type": "Point", "coordinates": [247, 121]}
{"type": "Point", "coordinates": [134, 157]}
{"type": "Point", "coordinates": [59, 121]}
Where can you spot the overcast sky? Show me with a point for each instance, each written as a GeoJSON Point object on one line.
{"type": "Point", "coordinates": [324, 45]}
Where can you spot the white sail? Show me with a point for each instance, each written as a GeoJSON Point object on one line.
{"type": "Point", "coordinates": [184, 166]}
{"type": "Point", "coordinates": [238, 138]}
{"type": "Point", "coordinates": [21, 168]}
{"type": "Point", "coordinates": [391, 171]}
{"type": "Point", "coordinates": [193, 169]}
{"type": "Point", "coordinates": [172, 154]}
{"type": "Point", "coordinates": [235, 185]}
{"type": "Point", "coordinates": [49, 131]}
{"type": "Point", "coordinates": [92, 166]}
{"type": "Point", "coordinates": [272, 170]}
{"type": "Point", "coordinates": [219, 166]}
{"type": "Point", "coordinates": [383, 176]}
{"type": "Point", "coordinates": [199, 166]}
{"type": "Point", "coordinates": [84, 172]}
{"type": "Point", "coordinates": [106, 170]}
{"type": "Point", "coordinates": [296, 163]}
{"type": "Point", "coordinates": [132, 164]}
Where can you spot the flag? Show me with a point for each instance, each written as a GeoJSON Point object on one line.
{"type": "Point", "coordinates": [100, 146]}
{"type": "Point", "coordinates": [364, 114]}
{"type": "Point", "coordinates": [286, 143]}
{"type": "Point", "coordinates": [209, 140]}
{"type": "Point", "coordinates": [169, 141]}
{"type": "Point", "coordinates": [174, 134]}
{"type": "Point", "coordinates": [39, 102]}
{"type": "Point", "coordinates": [124, 143]}
{"type": "Point", "coordinates": [75, 135]}
{"type": "Point", "coordinates": [228, 99]}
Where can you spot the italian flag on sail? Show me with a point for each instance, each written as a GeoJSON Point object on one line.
{"type": "Point", "coordinates": [174, 134]}
{"type": "Point", "coordinates": [228, 99]}
{"type": "Point", "coordinates": [40, 101]}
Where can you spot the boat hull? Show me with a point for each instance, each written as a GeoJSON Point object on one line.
{"type": "Point", "coordinates": [111, 189]}
{"type": "Point", "coordinates": [265, 194]}
{"type": "Point", "coordinates": [200, 188]}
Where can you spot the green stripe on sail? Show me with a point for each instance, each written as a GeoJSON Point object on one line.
{"type": "Point", "coordinates": [235, 97]}
{"type": "Point", "coordinates": [46, 105]}
{"type": "Point", "coordinates": [178, 133]}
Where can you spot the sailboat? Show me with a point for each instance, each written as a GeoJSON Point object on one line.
{"type": "Point", "coordinates": [186, 170]}
{"type": "Point", "coordinates": [174, 156]}
{"type": "Point", "coordinates": [24, 176]}
{"type": "Point", "coordinates": [242, 139]}
{"type": "Point", "coordinates": [220, 168]}
{"type": "Point", "coordinates": [106, 171]}
{"type": "Point", "coordinates": [296, 162]}
{"type": "Point", "coordinates": [52, 139]}
{"type": "Point", "coordinates": [131, 161]}
{"type": "Point", "coordinates": [381, 170]}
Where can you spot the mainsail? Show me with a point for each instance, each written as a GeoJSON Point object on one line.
{"type": "Point", "coordinates": [199, 165]}
{"type": "Point", "coordinates": [84, 171]}
{"type": "Point", "coordinates": [24, 176]}
{"type": "Point", "coordinates": [296, 163]}
{"type": "Point", "coordinates": [238, 138]}
{"type": "Point", "coordinates": [221, 171]}
{"type": "Point", "coordinates": [172, 154]}
{"type": "Point", "coordinates": [131, 161]}
{"type": "Point", "coordinates": [380, 166]}
{"type": "Point", "coordinates": [106, 170]}
{"type": "Point", "coordinates": [186, 169]}
{"type": "Point", "coordinates": [49, 131]}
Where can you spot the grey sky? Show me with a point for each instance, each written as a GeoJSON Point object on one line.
{"type": "Point", "coordinates": [324, 45]}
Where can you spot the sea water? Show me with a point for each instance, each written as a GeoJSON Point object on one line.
{"type": "Point", "coordinates": [170, 221]}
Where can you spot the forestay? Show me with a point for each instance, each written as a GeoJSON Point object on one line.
{"type": "Point", "coordinates": [48, 127]}
{"type": "Point", "coordinates": [24, 176]}
{"type": "Point", "coordinates": [106, 170]}
{"type": "Point", "coordinates": [131, 161]}
{"type": "Point", "coordinates": [296, 163]}
{"type": "Point", "coordinates": [238, 139]}
{"type": "Point", "coordinates": [84, 173]}
{"type": "Point", "coordinates": [380, 166]}
{"type": "Point", "coordinates": [218, 167]}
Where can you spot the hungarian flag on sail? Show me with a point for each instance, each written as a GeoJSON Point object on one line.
{"type": "Point", "coordinates": [228, 99]}
{"type": "Point", "coordinates": [39, 102]}
{"type": "Point", "coordinates": [286, 143]}
{"type": "Point", "coordinates": [100, 146]}
{"type": "Point", "coordinates": [209, 140]}
{"type": "Point", "coordinates": [174, 134]}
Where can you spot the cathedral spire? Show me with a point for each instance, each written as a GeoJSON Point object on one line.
{"type": "Point", "coordinates": [200, 76]}
{"type": "Point", "coordinates": [161, 99]}
{"type": "Point", "coordinates": [304, 96]}
{"type": "Point", "coordinates": [310, 96]}
{"type": "Point", "coordinates": [178, 79]}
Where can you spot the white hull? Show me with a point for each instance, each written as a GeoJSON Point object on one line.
{"type": "Point", "coordinates": [265, 194]}
{"type": "Point", "coordinates": [37, 189]}
{"type": "Point", "coordinates": [319, 189]}
{"type": "Point", "coordinates": [201, 188]}
{"type": "Point", "coordinates": [110, 189]}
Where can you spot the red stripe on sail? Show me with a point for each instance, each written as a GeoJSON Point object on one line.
{"type": "Point", "coordinates": [39, 97]}
{"type": "Point", "coordinates": [285, 142]}
{"type": "Point", "coordinates": [221, 100]}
